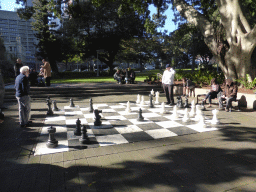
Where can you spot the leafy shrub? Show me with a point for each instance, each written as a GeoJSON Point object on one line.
{"type": "Point", "coordinates": [247, 82]}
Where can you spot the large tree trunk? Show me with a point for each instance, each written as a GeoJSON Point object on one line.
{"type": "Point", "coordinates": [234, 55]}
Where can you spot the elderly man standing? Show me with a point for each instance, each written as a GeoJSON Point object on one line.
{"type": "Point", "coordinates": [168, 81]}
{"type": "Point", "coordinates": [47, 72]}
{"type": "Point", "coordinates": [22, 95]}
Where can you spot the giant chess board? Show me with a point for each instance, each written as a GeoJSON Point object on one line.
{"type": "Point", "coordinates": [118, 126]}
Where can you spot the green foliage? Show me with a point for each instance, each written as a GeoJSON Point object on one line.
{"type": "Point", "coordinates": [247, 82]}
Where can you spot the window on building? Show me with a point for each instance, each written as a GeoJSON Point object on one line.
{"type": "Point", "coordinates": [10, 48]}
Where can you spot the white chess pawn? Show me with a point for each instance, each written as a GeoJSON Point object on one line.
{"type": "Point", "coordinates": [162, 108]}
{"type": "Point", "coordinates": [192, 111]}
{"type": "Point", "coordinates": [174, 115]}
{"type": "Point", "coordinates": [142, 102]}
{"type": "Point", "coordinates": [215, 121]}
{"type": "Point", "coordinates": [138, 99]}
{"type": "Point", "coordinates": [157, 98]}
{"type": "Point", "coordinates": [128, 108]}
{"type": "Point", "coordinates": [186, 116]}
{"type": "Point", "coordinates": [201, 122]}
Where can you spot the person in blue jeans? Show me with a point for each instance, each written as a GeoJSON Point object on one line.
{"type": "Point", "coordinates": [212, 94]}
{"type": "Point", "coordinates": [22, 94]}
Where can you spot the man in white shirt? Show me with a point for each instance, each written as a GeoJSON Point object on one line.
{"type": "Point", "coordinates": [168, 81]}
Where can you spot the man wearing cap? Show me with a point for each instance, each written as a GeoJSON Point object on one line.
{"type": "Point", "coordinates": [168, 81]}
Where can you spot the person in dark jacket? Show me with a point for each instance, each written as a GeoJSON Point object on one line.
{"type": "Point", "coordinates": [17, 67]}
{"type": "Point", "coordinates": [22, 94]}
{"type": "Point", "coordinates": [212, 94]}
{"type": "Point", "coordinates": [230, 94]}
{"type": "Point", "coordinates": [33, 77]}
{"type": "Point", "coordinates": [132, 76]}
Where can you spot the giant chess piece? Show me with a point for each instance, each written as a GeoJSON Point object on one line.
{"type": "Point", "coordinates": [163, 111]}
{"type": "Point", "coordinates": [52, 142]}
{"type": "Point", "coordinates": [186, 116]}
{"type": "Point", "coordinates": [152, 93]}
{"type": "Point", "coordinates": [186, 105]}
{"type": "Point", "coordinates": [128, 108]}
{"type": "Point", "coordinates": [142, 102]}
{"type": "Point", "coordinates": [198, 113]}
{"type": "Point", "coordinates": [140, 117]}
{"type": "Point", "coordinates": [202, 106]}
{"type": "Point", "coordinates": [192, 111]}
{"type": "Point", "coordinates": [97, 117]}
{"type": "Point", "coordinates": [214, 120]}
{"type": "Point", "coordinates": [151, 101]}
{"type": "Point", "coordinates": [179, 102]}
{"type": "Point", "coordinates": [84, 138]}
{"type": "Point", "coordinates": [174, 115]}
{"type": "Point", "coordinates": [78, 127]}
{"type": "Point", "coordinates": [71, 103]}
{"type": "Point", "coordinates": [49, 104]}
{"type": "Point", "coordinates": [138, 99]}
{"type": "Point", "coordinates": [157, 98]}
{"type": "Point", "coordinates": [201, 122]}
{"type": "Point", "coordinates": [91, 106]}
{"type": "Point", "coordinates": [55, 108]}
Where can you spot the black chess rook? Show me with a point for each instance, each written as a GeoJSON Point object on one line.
{"type": "Point", "coordinates": [84, 138]}
{"type": "Point", "coordinates": [52, 142]}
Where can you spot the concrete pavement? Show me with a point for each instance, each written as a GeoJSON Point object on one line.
{"type": "Point", "coordinates": [223, 160]}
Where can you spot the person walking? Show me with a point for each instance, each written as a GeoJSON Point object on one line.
{"type": "Point", "coordinates": [167, 82]}
{"type": "Point", "coordinates": [17, 67]}
{"type": "Point", "coordinates": [22, 94]}
{"type": "Point", "coordinates": [47, 72]}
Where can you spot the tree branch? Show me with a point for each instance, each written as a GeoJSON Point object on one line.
{"type": "Point", "coordinates": [198, 20]}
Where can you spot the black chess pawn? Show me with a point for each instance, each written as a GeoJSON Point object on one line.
{"type": "Point", "coordinates": [71, 103]}
{"type": "Point", "coordinates": [151, 101]}
{"type": "Point", "coordinates": [202, 106]}
{"type": "Point", "coordinates": [186, 105]}
{"type": "Point", "coordinates": [91, 106]}
{"type": "Point", "coordinates": [84, 138]}
{"type": "Point", "coordinates": [97, 117]}
{"type": "Point", "coordinates": [140, 117]}
{"type": "Point", "coordinates": [52, 142]}
{"type": "Point", "coordinates": [78, 127]}
{"type": "Point", "coordinates": [55, 108]}
{"type": "Point", "coordinates": [49, 104]}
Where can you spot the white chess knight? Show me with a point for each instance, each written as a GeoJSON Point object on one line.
{"type": "Point", "coordinates": [138, 99]}
{"type": "Point", "coordinates": [128, 108]}
{"type": "Point", "coordinates": [186, 116]}
{"type": "Point", "coordinates": [192, 111]}
{"type": "Point", "coordinates": [157, 98]}
{"type": "Point", "coordinates": [214, 118]}
{"type": "Point", "coordinates": [174, 115]}
{"type": "Point", "coordinates": [142, 102]}
{"type": "Point", "coordinates": [163, 109]}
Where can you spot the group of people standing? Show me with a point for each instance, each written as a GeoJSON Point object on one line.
{"type": "Point", "coordinates": [229, 93]}
{"type": "Point", "coordinates": [22, 87]}
{"type": "Point", "coordinates": [125, 76]}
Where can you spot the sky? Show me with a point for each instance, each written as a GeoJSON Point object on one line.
{"type": "Point", "coordinates": [10, 5]}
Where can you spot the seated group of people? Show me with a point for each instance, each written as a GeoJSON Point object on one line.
{"type": "Point", "coordinates": [125, 76]}
{"type": "Point", "coordinates": [229, 93]}
{"type": "Point", "coordinates": [37, 79]}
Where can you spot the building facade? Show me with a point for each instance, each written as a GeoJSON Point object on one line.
{"type": "Point", "coordinates": [19, 38]}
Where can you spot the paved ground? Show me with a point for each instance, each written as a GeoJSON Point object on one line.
{"type": "Point", "coordinates": [223, 160]}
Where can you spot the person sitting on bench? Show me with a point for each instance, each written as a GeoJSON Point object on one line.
{"type": "Point", "coordinates": [215, 89]}
{"type": "Point", "coordinates": [230, 94]}
{"type": "Point", "coordinates": [118, 76]}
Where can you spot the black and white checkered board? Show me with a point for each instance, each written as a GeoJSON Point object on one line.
{"type": "Point", "coordinates": [118, 127]}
